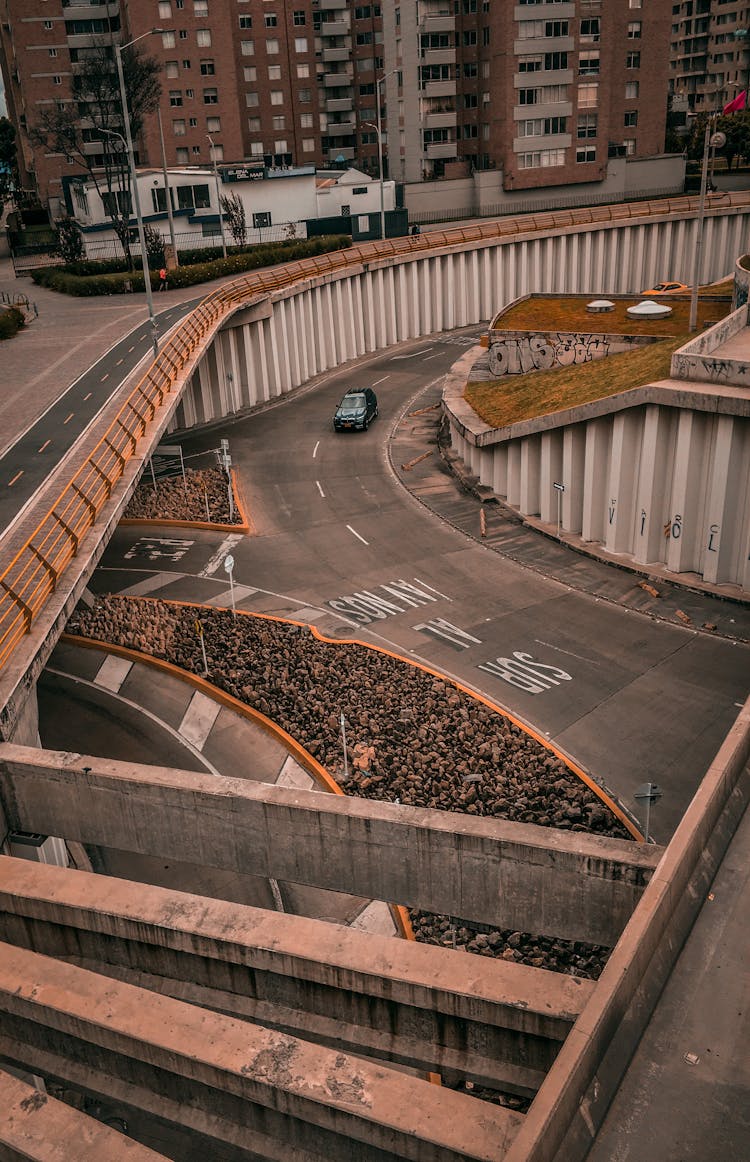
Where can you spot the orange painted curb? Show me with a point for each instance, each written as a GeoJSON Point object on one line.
{"type": "Point", "coordinates": [572, 766]}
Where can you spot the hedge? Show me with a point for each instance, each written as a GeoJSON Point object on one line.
{"type": "Point", "coordinates": [79, 278]}
{"type": "Point", "coordinates": [11, 321]}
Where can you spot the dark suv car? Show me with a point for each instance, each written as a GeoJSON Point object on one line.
{"type": "Point", "coordinates": [356, 410]}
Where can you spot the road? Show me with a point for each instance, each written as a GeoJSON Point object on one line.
{"type": "Point", "coordinates": [340, 542]}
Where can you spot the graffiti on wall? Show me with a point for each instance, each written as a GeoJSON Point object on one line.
{"type": "Point", "coordinates": [540, 352]}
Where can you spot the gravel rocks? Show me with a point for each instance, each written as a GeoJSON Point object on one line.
{"type": "Point", "coordinates": [178, 499]}
{"type": "Point", "coordinates": [412, 737]}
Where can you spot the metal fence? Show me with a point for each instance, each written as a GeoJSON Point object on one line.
{"type": "Point", "coordinates": [110, 248]}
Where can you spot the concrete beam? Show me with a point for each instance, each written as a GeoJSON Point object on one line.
{"type": "Point", "coordinates": [37, 1128]}
{"type": "Point", "coordinates": [264, 1092]}
{"type": "Point", "coordinates": [511, 875]}
{"type": "Point", "coordinates": [496, 1023]}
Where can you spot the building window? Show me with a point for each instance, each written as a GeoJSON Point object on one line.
{"type": "Point", "coordinates": [200, 7]}
{"type": "Point", "coordinates": [541, 159]}
{"type": "Point", "coordinates": [253, 124]}
{"type": "Point", "coordinates": [308, 145]}
{"type": "Point", "coordinates": [588, 64]}
{"type": "Point", "coordinates": [210, 96]}
{"type": "Point", "coordinates": [261, 219]}
{"type": "Point", "coordinates": [274, 72]}
{"type": "Point", "coordinates": [629, 144]}
{"type": "Point", "coordinates": [590, 29]}
{"type": "Point", "coordinates": [183, 34]}
{"type": "Point", "coordinates": [165, 10]}
{"type": "Point", "coordinates": [554, 61]}
{"type": "Point", "coordinates": [183, 156]}
{"type": "Point", "coordinates": [247, 47]}
{"type": "Point", "coordinates": [586, 153]}
{"type": "Point", "coordinates": [542, 126]}
{"type": "Point", "coordinates": [277, 97]}
{"type": "Point", "coordinates": [280, 147]}
{"type": "Point", "coordinates": [186, 64]}
{"type": "Point", "coordinates": [207, 69]}
{"type": "Point", "coordinates": [306, 120]}
{"type": "Point", "coordinates": [168, 40]}
{"type": "Point", "coordinates": [526, 64]}
{"type": "Point", "coordinates": [193, 197]}
{"type": "Point", "coordinates": [304, 96]}
{"type": "Point", "coordinates": [632, 89]}
{"type": "Point", "coordinates": [57, 80]}
{"type": "Point", "coordinates": [272, 46]}
{"type": "Point", "coordinates": [588, 95]}
{"type": "Point", "coordinates": [256, 149]}
{"type": "Point", "coordinates": [303, 71]}
{"type": "Point", "coordinates": [587, 125]}
{"type": "Point", "coordinates": [278, 122]}
{"type": "Point", "coordinates": [246, 22]}
{"type": "Point", "coordinates": [635, 3]}
{"type": "Point", "coordinates": [300, 44]}
{"type": "Point", "coordinates": [175, 97]}
{"type": "Point", "coordinates": [179, 127]}
{"type": "Point", "coordinates": [217, 152]}
{"type": "Point", "coordinates": [48, 25]}
{"type": "Point", "coordinates": [52, 51]}
{"type": "Point", "coordinates": [193, 122]}
{"type": "Point", "coordinates": [470, 70]}
{"type": "Point", "coordinates": [172, 69]}
{"type": "Point", "coordinates": [270, 20]}
{"type": "Point", "coordinates": [213, 124]}
{"type": "Point", "coordinates": [469, 37]}
{"type": "Point", "coordinates": [631, 118]}
{"type": "Point", "coordinates": [190, 92]}
{"type": "Point", "coordinates": [528, 96]}
{"type": "Point", "coordinates": [634, 30]}
{"type": "Point", "coordinates": [251, 100]}
{"type": "Point", "coordinates": [470, 100]}
{"type": "Point", "coordinates": [203, 37]}
{"type": "Point", "coordinates": [250, 73]}
{"type": "Point", "coordinates": [633, 60]}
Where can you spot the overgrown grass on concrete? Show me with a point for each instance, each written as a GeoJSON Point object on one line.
{"type": "Point", "coordinates": [500, 402]}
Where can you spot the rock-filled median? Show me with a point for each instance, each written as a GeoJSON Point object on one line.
{"type": "Point", "coordinates": [202, 496]}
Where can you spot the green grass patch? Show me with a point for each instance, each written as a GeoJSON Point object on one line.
{"type": "Point", "coordinates": [500, 402]}
{"type": "Point", "coordinates": [568, 313]}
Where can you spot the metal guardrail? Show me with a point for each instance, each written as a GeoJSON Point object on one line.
{"type": "Point", "coordinates": [34, 573]}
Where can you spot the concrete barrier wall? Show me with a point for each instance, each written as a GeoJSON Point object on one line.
{"type": "Point", "coordinates": [693, 361]}
{"type": "Point", "coordinates": [573, 1101]}
{"type": "Point", "coordinates": [229, 1081]}
{"type": "Point", "coordinates": [512, 875]}
{"type": "Point", "coordinates": [303, 976]}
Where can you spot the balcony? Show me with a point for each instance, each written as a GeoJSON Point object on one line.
{"type": "Point", "coordinates": [437, 24]}
{"type": "Point", "coordinates": [439, 89]}
{"type": "Point", "coordinates": [440, 149]}
{"type": "Point", "coordinates": [337, 80]}
{"type": "Point", "coordinates": [346, 152]}
{"type": "Point", "coordinates": [541, 44]}
{"type": "Point", "coordinates": [337, 54]}
{"type": "Point", "coordinates": [552, 11]}
{"type": "Point", "coordinates": [339, 105]}
{"type": "Point", "coordinates": [343, 128]}
{"type": "Point", "coordinates": [438, 56]}
{"type": "Point", "coordinates": [445, 120]}
{"type": "Point", "coordinates": [335, 28]}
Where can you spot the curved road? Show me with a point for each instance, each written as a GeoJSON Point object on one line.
{"type": "Point", "coordinates": [340, 542]}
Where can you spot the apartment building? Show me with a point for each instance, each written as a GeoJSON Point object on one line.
{"type": "Point", "coordinates": [542, 91]}
{"type": "Point", "coordinates": [710, 53]}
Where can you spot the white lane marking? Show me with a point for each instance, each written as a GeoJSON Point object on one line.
{"type": "Point", "coordinates": [315, 449]}
{"type": "Point", "coordinates": [198, 720]}
{"type": "Point", "coordinates": [377, 381]}
{"type": "Point", "coordinates": [112, 673]}
{"type": "Point", "coordinates": [105, 376]}
{"type": "Point", "coordinates": [88, 396]}
{"type": "Point", "coordinates": [357, 535]}
{"type": "Point", "coordinates": [569, 653]}
{"type": "Point", "coordinates": [320, 490]}
{"type": "Point", "coordinates": [413, 355]}
{"type": "Point", "coordinates": [434, 590]}
{"type": "Point", "coordinates": [225, 547]}
{"type": "Point", "coordinates": [149, 584]}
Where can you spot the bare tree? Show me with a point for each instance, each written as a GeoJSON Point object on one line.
{"type": "Point", "coordinates": [233, 210]}
{"type": "Point", "coordinates": [94, 113]}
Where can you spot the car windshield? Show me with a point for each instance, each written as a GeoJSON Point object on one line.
{"type": "Point", "coordinates": [353, 400]}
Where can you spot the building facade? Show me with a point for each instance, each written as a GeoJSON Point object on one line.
{"type": "Point", "coordinates": [544, 93]}
{"type": "Point", "coordinates": [710, 53]}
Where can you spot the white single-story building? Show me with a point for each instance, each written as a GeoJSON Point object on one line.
{"type": "Point", "coordinates": [278, 204]}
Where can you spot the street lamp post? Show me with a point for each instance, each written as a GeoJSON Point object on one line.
{"type": "Point", "coordinates": [167, 191]}
{"type": "Point", "coordinates": [218, 195]}
{"type": "Point", "coordinates": [134, 183]}
{"type": "Point", "coordinates": [712, 140]}
{"type": "Point", "coordinates": [379, 130]}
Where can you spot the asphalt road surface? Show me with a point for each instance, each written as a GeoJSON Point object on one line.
{"type": "Point", "coordinates": [340, 542]}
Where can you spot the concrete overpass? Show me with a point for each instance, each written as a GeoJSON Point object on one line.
{"type": "Point", "coordinates": [431, 283]}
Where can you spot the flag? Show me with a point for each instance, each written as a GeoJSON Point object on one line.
{"type": "Point", "coordinates": [737, 104]}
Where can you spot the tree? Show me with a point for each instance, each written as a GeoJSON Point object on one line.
{"type": "Point", "coordinates": [233, 210]}
{"type": "Point", "coordinates": [95, 115]}
{"type": "Point", "coordinates": [735, 127]}
{"type": "Point", "coordinates": [8, 161]}
{"type": "Point", "coordinates": [69, 244]}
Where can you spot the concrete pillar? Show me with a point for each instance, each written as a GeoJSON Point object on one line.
{"type": "Point", "coordinates": [596, 474]}
{"type": "Point", "coordinates": [726, 500]}
{"type": "Point", "coordinates": [531, 450]}
{"type": "Point", "coordinates": [683, 520]}
{"type": "Point", "coordinates": [623, 467]}
{"type": "Point", "coordinates": [573, 470]}
{"type": "Point", "coordinates": [261, 361]}
{"type": "Point", "coordinates": [500, 469]}
{"type": "Point", "coordinates": [389, 297]}
{"type": "Point", "coordinates": [514, 473]}
{"type": "Point", "coordinates": [551, 464]}
{"type": "Point", "coordinates": [655, 466]}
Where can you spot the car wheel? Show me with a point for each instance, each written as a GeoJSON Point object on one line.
{"type": "Point", "coordinates": [365, 425]}
{"type": "Point", "coordinates": [376, 414]}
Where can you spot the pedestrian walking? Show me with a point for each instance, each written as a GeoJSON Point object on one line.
{"type": "Point", "coordinates": [163, 279]}
{"type": "Point", "coordinates": [415, 229]}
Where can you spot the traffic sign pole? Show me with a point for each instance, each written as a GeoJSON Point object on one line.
{"type": "Point", "coordinates": [229, 568]}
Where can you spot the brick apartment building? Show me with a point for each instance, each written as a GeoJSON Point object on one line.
{"type": "Point", "coordinates": [710, 53]}
{"type": "Point", "coordinates": [543, 92]}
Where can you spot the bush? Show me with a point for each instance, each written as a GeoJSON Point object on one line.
{"type": "Point", "coordinates": [78, 278]}
{"type": "Point", "coordinates": [11, 321]}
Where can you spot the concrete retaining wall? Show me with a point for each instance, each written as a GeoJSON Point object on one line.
{"type": "Point", "coordinates": [511, 875]}
{"type": "Point", "coordinates": [574, 1098]}
{"type": "Point", "coordinates": [693, 361]}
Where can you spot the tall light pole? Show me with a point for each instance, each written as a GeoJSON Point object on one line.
{"type": "Point", "coordinates": [218, 195]}
{"type": "Point", "coordinates": [379, 130]}
{"type": "Point", "coordinates": [715, 141]}
{"type": "Point", "coordinates": [134, 182]}
{"type": "Point", "coordinates": [167, 191]}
